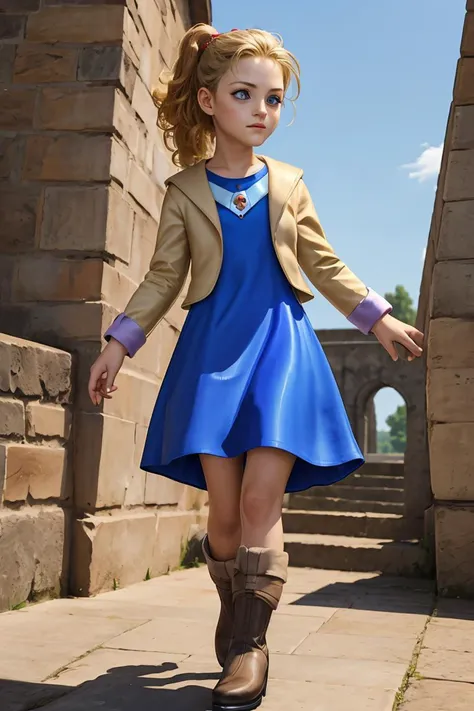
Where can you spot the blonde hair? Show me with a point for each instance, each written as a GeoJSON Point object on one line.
{"type": "Point", "coordinates": [188, 130]}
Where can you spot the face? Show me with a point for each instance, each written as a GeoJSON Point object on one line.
{"type": "Point", "coordinates": [247, 104]}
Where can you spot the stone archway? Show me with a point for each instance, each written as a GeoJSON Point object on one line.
{"type": "Point", "coordinates": [362, 367]}
{"type": "Point", "coordinates": [366, 420]}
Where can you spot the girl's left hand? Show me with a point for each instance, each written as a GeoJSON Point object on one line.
{"type": "Point", "coordinates": [389, 330]}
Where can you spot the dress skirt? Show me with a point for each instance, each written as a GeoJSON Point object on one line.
{"type": "Point", "coordinates": [248, 371]}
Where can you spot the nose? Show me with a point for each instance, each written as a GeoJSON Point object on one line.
{"type": "Point", "coordinates": [261, 110]}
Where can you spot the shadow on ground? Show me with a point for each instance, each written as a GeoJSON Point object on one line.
{"type": "Point", "coordinates": [127, 688]}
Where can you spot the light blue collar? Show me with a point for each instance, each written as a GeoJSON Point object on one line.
{"type": "Point", "coordinates": [250, 197]}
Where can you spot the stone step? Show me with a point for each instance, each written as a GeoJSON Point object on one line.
{"type": "Point", "coordinates": [335, 523]}
{"type": "Point", "coordinates": [328, 503]}
{"type": "Point", "coordinates": [387, 482]}
{"type": "Point", "coordinates": [382, 468]}
{"type": "Point", "coordinates": [364, 493]}
{"type": "Point", "coordinates": [404, 558]}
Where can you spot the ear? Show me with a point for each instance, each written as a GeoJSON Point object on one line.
{"type": "Point", "coordinates": [206, 101]}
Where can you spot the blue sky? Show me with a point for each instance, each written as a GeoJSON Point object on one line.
{"type": "Point", "coordinates": [377, 81]}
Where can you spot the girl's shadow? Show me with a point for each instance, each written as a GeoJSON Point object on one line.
{"type": "Point", "coordinates": [136, 688]}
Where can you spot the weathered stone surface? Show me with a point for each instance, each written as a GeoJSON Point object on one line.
{"type": "Point", "coordinates": [12, 417]}
{"type": "Point", "coordinates": [459, 334]}
{"type": "Point", "coordinates": [134, 399]}
{"type": "Point", "coordinates": [459, 183]}
{"type": "Point", "coordinates": [119, 228]}
{"type": "Point", "coordinates": [145, 191]}
{"type": "Point", "coordinates": [44, 63]}
{"type": "Point", "coordinates": [135, 491]}
{"type": "Point", "coordinates": [74, 109]}
{"type": "Point", "coordinates": [103, 462]}
{"type": "Point", "coordinates": [119, 161]}
{"type": "Point", "coordinates": [125, 123]}
{"type": "Point", "coordinates": [453, 290]}
{"type": "Point", "coordinates": [48, 420]}
{"type": "Point", "coordinates": [33, 555]}
{"type": "Point", "coordinates": [40, 472]}
{"type": "Point", "coordinates": [435, 695]}
{"type": "Point", "coordinates": [76, 157]}
{"type": "Point", "coordinates": [464, 85]}
{"type": "Point", "coordinates": [143, 104]}
{"type": "Point", "coordinates": [171, 538]}
{"type": "Point", "coordinates": [132, 38]}
{"type": "Point", "coordinates": [100, 63]}
{"type": "Point", "coordinates": [467, 42]}
{"type": "Point", "coordinates": [19, 5]}
{"type": "Point", "coordinates": [51, 279]}
{"type": "Point", "coordinates": [450, 395]}
{"type": "Point", "coordinates": [160, 490]}
{"type": "Point", "coordinates": [12, 27]}
{"type": "Point", "coordinates": [108, 548]}
{"type": "Point", "coordinates": [100, 23]}
{"type": "Point", "coordinates": [455, 550]}
{"type": "Point", "coordinates": [7, 57]}
{"type": "Point", "coordinates": [453, 635]}
{"type": "Point", "coordinates": [18, 207]}
{"type": "Point", "coordinates": [11, 155]}
{"type": "Point", "coordinates": [29, 367]}
{"type": "Point", "coordinates": [16, 108]}
{"type": "Point", "coordinates": [455, 236]}
{"type": "Point", "coordinates": [117, 288]}
{"type": "Point", "coordinates": [444, 664]}
{"type": "Point", "coordinates": [463, 128]}
{"type": "Point", "coordinates": [452, 457]}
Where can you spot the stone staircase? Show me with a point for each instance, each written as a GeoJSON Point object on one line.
{"type": "Point", "coordinates": [357, 524]}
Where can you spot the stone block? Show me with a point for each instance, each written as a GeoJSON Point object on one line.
{"type": "Point", "coordinates": [18, 207]}
{"type": "Point", "coordinates": [76, 109]}
{"type": "Point", "coordinates": [119, 161]}
{"type": "Point", "coordinates": [144, 105]}
{"type": "Point", "coordinates": [33, 554]}
{"type": "Point", "coordinates": [99, 63]}
{"type": "Point", "coordinates": [455, 550]}
{"type": "Point", "coordinates": [35, 471]}
{"type": "Point", "coordinates": [463, 128]}
{"type": "Point", "coordinates": [459, 184]}
{"type": "Point", "coordinates": [93, 24]}
{"type": "Point", "coordinates": [7, 58]}
{"type": "Point", "coordinates": [16, 108]}
{"type": "Point", "coordinates": [87, 219]}
{"type": "Point", "coordinates": [132, 38]}
{"type": "Point", "coordinates": [12, 28]}
{"type": "Point", "coordinates": [455, 235]}
{"type": "Point", "coordinates": [453, 290]}
{"type": "Point", "coordinates": [151, 65]}
{"type": "Point", "coordinates": [51, 279]}
{"type": "Point", "coordinates": [117, 288]}
{"type": "Point", "coordinates": [145, 230]}
{"type": "Point", "coordinates": [467, 42]}
{"type": "Point", "coordinates": [436, 695]}
{"type": "Point", "coordinates": [125, 123]}
{"type": "Point", "coordinates": [450, 394]}
{"type": "Point", "coordinates": [134, 399]}
{"type": "Point", "coordinates": [74, 157]}
{"type": "Point", "coordinates": [452, 457]}
{"type": "Point", "coordinates": [135, 491]}
{"type": "Point", "coordinates": [144, 190]}
{"type": "Point", "coordinates": [152, 22]}
{"type": "Point", "coordinates": [171, 538]}
{"type": "Point", "coordinates": [107, 549]}
{"type": "Point", "coordinates": [11, 155]}
{"type": "Point", "coordinates": [48, 420]}
{"type": "Point", "coordinates": [19, 6]}
{"type": "Point", "coordinates": [464, 84]}
{"type": "Point", "coordinates": [162, 491]}
{"type": "Point", "coordinates": [34, 369]}
{"type": "Point", "coordinates": [65, 323]}
{"type": "Point", "coordinates": [12, 417]}
{"type": "Point", "coordinates": [103, 461]}
{"type": "Point", "coordinates": [451, 343]}
{"type": "Point", "coordinates": [45, 63]}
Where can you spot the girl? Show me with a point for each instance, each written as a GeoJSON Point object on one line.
{"type": "Point", "coordinates": [249, 407]}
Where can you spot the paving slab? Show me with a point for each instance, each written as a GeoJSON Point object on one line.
{"type": "Point", "coordinates": [459, 638]}
{"type": "Point", "coordinates": [445, 664]}
{"type": "Point", "coordinates": [351, 646]}
{"type": "Point", "coordinates": [428, 695]}
{"type": "Point", "coordinates": [380, 624]}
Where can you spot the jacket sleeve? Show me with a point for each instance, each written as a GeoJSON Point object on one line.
{"type": "Point", "coordinates": [362, 306]}
{"type": "Point", "coordinates": [161, 285]}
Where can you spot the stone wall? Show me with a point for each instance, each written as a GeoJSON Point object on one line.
{"type": "Point", "coordinates": [36, 495]}
{"type": "Point", "coordinates": [446, 312]}
{"type": "Point", "coordinates": [82, 170]}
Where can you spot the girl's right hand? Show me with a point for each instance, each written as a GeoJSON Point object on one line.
{"type": "Point", "coordinates": [104, 370]}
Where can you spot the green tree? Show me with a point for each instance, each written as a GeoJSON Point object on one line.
{"type": "Point", "coordinates": [384, 444]}
{"type": "Point", "coordinates": [402, 303]}
{"type": "Point", "coordinates": [397, 424]}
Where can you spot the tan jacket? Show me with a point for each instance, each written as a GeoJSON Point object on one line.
{"type": "Point", "coordinates": [190, 233]}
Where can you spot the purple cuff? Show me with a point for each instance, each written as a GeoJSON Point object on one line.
{"type": "Point", "coordinates": [369, 311]}
{"type": "Point", "coordinates": [127, 332]}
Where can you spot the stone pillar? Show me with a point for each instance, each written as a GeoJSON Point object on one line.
{"type": "Point", "coordinates": [448, 311]}
{"type": "Point", "coordinates": [82, 170]}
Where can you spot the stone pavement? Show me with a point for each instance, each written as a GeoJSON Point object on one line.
{"type": "Point", "coordinates": [339, 642]}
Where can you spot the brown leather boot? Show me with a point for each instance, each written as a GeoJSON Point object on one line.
{"type": "Point", "coordinates": [259, 577]}
{"type": "Point", "coordinates": [221, 572]}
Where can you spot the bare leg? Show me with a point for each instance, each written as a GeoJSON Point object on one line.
{"type": "Point", "coordinates": [224, 483]}
{"type": "Point", "coordinates": [266, 474]}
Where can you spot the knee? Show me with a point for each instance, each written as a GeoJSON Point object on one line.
{"type": "Point", "coordinates": [226, 521]}
{"type": "Point", "coordinates": [259, 505]}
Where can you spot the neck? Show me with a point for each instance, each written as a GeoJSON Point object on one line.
{"type": "Point", "coordinates": [233, 158]}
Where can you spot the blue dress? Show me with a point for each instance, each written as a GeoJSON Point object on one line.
{"type": "Point", "coordinates": [248, 370]}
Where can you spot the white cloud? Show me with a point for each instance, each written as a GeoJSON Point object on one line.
{"type": "Point", "coordinates": [427, 165]}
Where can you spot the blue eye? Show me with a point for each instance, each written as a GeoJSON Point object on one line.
{"type": "Point", "coordinates": [241, 91]}
{"type": "Point", "coordinates": [274, 103]}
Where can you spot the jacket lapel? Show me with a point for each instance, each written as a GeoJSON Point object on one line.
{"type": "Point", "coordinates": [282, 179]}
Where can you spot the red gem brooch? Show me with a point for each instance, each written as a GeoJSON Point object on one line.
{"type": "Point", "coordinates": [240, 201]}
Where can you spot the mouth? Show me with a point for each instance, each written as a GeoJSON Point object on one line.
{"type": "Point", "coordinates": [257, 125]}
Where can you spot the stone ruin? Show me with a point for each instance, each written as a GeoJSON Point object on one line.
{"type": "Point", "coordinates": [82, 170]}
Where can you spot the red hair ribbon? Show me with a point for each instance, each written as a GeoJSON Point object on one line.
{"type": "Point", "coordinates": [213, 36]}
